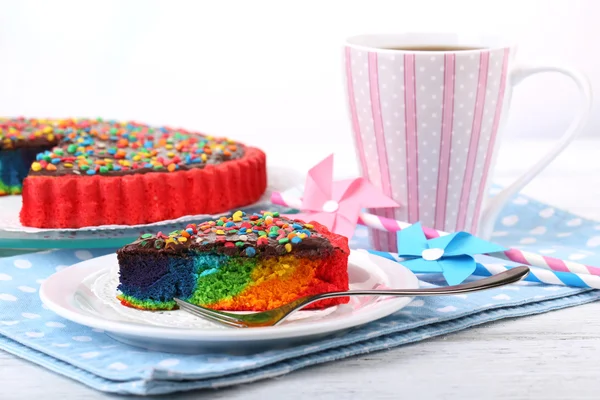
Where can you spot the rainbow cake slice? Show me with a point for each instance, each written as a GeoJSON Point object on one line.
{"type": "Point", "coordinates": [241, 263]}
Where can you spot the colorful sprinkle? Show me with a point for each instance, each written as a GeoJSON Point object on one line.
{"type": "Point", "coordinates": [117, 146]}
{"type": "Point", "coordinates": [237, 216]}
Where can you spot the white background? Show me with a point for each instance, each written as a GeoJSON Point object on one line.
{"type": "Point", "coordinates": [264, 72]}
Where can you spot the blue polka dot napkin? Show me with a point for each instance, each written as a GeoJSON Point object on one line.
{"type": "Point", "coordinates": [30, 331]}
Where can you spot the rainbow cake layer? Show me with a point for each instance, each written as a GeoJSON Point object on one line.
{"type": "Point", "coordinates": [240, 263]}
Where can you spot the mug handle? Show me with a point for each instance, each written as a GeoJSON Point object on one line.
{"type": "Point", "coordinates": [518, 73]}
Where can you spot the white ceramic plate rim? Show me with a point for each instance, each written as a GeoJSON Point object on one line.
{"type": "Point", "coordinates": [69, 279]}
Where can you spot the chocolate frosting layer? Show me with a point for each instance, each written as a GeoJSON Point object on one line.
{"type": "Point", "coordinates": [91, 147]}
{"type": "Point", "coordinates": [16, 133]}
{"type": "Point", "coordinates": [263, 235]}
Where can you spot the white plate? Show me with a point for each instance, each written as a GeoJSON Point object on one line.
{"type": "Point", "coordinates": [75, 293]}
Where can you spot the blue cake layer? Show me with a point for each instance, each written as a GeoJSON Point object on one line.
{"type": "Point", "coordinates": [14, 167]}
{"type": "Point", "coordinates": [159, 278]}
{"type": "Point", "coordinates": [204, 277]}
{"type": "Point", "coordinates": [162, 277]}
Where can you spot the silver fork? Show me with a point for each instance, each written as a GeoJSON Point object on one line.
{"type": "Point", "coordinates": [278, 315]}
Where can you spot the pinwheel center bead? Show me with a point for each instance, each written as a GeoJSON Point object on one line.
{"type": "Point", "coordinates": [330, 206]}
{"type": "Point", "coordinates": [432, 254]}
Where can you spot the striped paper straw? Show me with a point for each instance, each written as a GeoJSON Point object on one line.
{"type": "Point", "coordinates": [545, 276]}
{"type": "Point", "coordinates": [516, 255]}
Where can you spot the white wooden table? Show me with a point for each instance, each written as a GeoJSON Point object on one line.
{"type": "Point", "coordinates": [549, 356]}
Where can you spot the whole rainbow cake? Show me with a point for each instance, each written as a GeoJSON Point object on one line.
{"type": "Point", "coordinates": [90, 172]}
{"type": "Point", "coordinates": [239, 263]}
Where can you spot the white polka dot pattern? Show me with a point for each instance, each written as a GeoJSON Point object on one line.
{"type": "Point", "coordinates": [118, 366]}
{"type": "Point", "coordinates": [362, 99]}
{"type": "Point", "coordinates": [487, 123]}
{"type": "Point", "coordinates": [82, 338]}
{"type": "Point", "coordinates": [169, 362]}
{"type": "Point", "coordinates": [90, 354]}
{"type": "Point", "coordinates": [365, 130]}
{"type": "Point", "coordinates": [7, 297]}
{"type": "Point", "coordinates": [465, 94]}
{"type": "Point", "coordinates": [391, 89]}
{"type": "Point", "coordinates": [22, 264]}
{"type": "Point", "coordinates": [594, 241]}
{"type": "Point", "coordinates": [430, 92]}
{"type": "Point", "coordinates": [447, 309]}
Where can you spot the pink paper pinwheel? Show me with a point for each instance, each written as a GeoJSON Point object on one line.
{"type": "Point", "coordinates": [337, 204]}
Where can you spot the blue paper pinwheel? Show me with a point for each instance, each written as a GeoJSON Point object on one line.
{"type": "Point", "coordinates": [452, 255]}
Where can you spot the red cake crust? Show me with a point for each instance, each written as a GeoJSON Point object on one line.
{"type": "Point", "coordinates": [72, 201]}
{"type": "Point", "coordinates": [333, 271]}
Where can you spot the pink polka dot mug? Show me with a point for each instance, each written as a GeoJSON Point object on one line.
{"type": "Point", "coordinates": [427, 111]}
